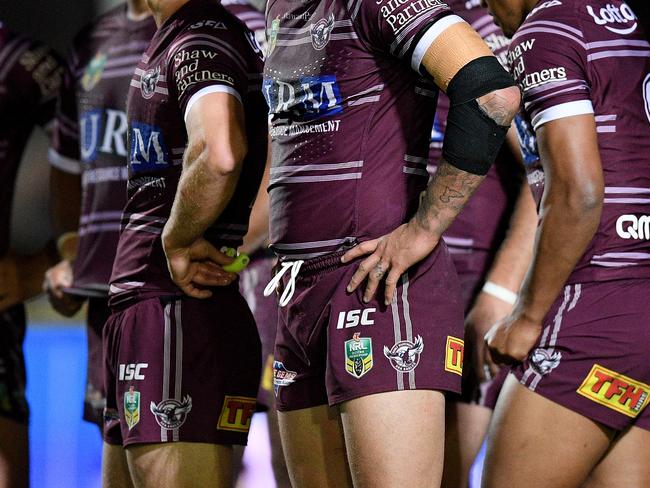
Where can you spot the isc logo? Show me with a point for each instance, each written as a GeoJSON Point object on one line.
{"type": "Point", "coordinates": [355, 317]}
{"type": "Point", "coordinates": [132, 371]}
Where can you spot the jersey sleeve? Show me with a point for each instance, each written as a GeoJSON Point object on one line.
{"type": "Point", "coordinates": [64, 149]}
{"type": "Point", "coordinates": [548, 59]}
{"type": "Point", "coordinates": [205, 62]}
{"type": "Point", "coordinates": [404, 29]}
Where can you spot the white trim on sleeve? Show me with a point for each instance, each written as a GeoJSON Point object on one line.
{"type": "Point", "coordinates": [67, 165]}
{"type": "Point", "coordinates": [431, 35]}
{"type": "Point", "coordinates": [206, 91]}
{"type": "Point", "coordinates": [568, 109]}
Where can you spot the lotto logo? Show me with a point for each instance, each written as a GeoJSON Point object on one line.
{"type": "Point", "coordinates": [236, 413]}
{"type": "Point", "coordinates": [132, 371]}
{"type": "Point", "coordinates": [355, 317]}
{"type": "Point", "coordinates": [615, 391]}
{"type": "Point", "coordinates": [455, 351]}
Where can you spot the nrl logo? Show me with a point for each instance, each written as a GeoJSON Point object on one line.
{"type": "Point", "coordinates": [358, 355]}
{"type": "Point", "coordinates": [149, 82]}
{"type": "Point", "coordinates": [404, 356]}
{"type": "Point", "coordinates": [171, 414]}
{"type": "Point", "coordinates": [273, 35]}
{"type": "Point", "coordinates": [132, 407]}
{"type": "Point", "coordinates": [544, 361]}
{"type": "Point", "coordinates": [93, 72]}
{"type": "Point", "coordinates": [320, 32]}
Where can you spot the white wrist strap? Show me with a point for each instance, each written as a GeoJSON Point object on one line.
{"type": "Point", "coordinates": [500, 292]}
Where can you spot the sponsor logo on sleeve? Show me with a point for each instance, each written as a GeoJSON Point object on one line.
{"type": "Point", "coordinates": [320, 32]}
{"type": "Point", "coordinates": [611, 15]}
{"type": "Point", "coordinates": [542, 77]}
{"type": "Point", "coordinates": [400, 13]}
{"type": "Point", "coordinates": [132, 407]}
{"type": "Point", "coordinates": [358, 355]}
{"type": "Point", "coordinates": [171, 413]}
{"type": "Point", "coordinates": [454, 353]}
{"type": "Point", "coordinates": [633, 227]}
{"type": "Point", "coordinates": [616, 391]}
{"type": "Point", "coordinates": [194, 70]}
{"type": "Point", "coordinates": [213, 24]}
{"type": "Point", "coordinates": [354, 318]}
{"type": "Point", "coordinates": [404, 356]}
{"type": "Point", "coordinates": [282, 376]}
{"type": "Point", "coordinates": [236, 413]}
{"type": "Point", "coordinates": [515, 57]}
{"type": "Point", "coordinates": [93, 72]}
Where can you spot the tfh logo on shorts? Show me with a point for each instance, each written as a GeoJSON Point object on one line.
{"type": "Point", "coordinates": [358, 355]}
{"type": "Point", "coordinates": [404, 356]}
{"type": "Point", "coordinates": [236, 413]}
{"type": "Point", "coordinates": [545, 360]}
{"type": "Point", "coordinates": [320, 32]}
{"type": "Point", "coordinates": [132, 407]}
{"type": "Point", "coordinates": [282, 376]}
{"type": "Point", "coordinates": [615, 391]}
{"type": "Point", "coordinates": [170, 413]}
{"type": "Point", "coordinates": [454, 353]}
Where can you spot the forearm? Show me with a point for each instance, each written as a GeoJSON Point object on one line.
{"type": "Point", "coordinates": [448, 192]}
{"type": "Point", "coordinates": [566, 229]}
{"type": "Point", "coordinates": [203, 193]}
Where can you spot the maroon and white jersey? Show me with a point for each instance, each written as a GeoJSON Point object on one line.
{"type": "Point", "coordinates": [482, 224]}
{"type": "Point", "coordinates": [201, 49]}
{"type": "Point", "coordinates": [351, 118]}
{"type": "Point", "coordinates": [574, 57]}
{"type": "Point", "coordinates": [30, 79]}
{"type": "Point", "coordinates": [91, 132]}
{"type": "Point", "coordinates": [249, 15]}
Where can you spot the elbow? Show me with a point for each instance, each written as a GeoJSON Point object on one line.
{"type": "Point", "coordinates": [225, 161]}
{"type": "Point", "coordinates": [501, 105]}
{"type": "Point", "coordinates": [584, 201]}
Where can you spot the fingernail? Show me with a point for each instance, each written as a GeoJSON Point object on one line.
{"type": "Point", "coordinates": [349, 289]}
{"type": "Point", "coordinates": [343, 259]}
{"type": "Point", "coordinates": [366, 299]}
{"type": "Point", "coordinates": [386, 302]}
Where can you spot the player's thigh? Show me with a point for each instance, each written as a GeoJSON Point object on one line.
{"type": "Point", "coordinates": [395, 438]}
{"type": "Point", "coordinates": [115, 470]}
{"type": "Point", "coordinates": [180, 464]}
{"type": "Point", "coordinates": [14, 454]}
{"type": "Point", "coordinates": [626, 463]}
{"type": "Point", "coordinates": [314, 447]}
{"type": "Point", "coordinates": [465, 427]}
{"type": "Point", "coordinates": [534, 442]}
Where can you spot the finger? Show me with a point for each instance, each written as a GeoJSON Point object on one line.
{"type": "Point", "coordinates": [204, 250]}
{"type": "Point", "coordinates": [195, 292]}
{"type": "Point", "coordinates": [391, 284]}
{"type": "Point", "coordinates": [212, 268]}
{"type": "Point", "coordinates": [206, 280]}
{"type": "Point", "coordinates": [362, 249]}
{"type": "Point", "coordinates": [362, 271]}
{"type": "Point", "coordinates": [374, 278]}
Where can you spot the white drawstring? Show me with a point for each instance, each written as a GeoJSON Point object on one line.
{"type": "Point", "coordinates": [291, 285]}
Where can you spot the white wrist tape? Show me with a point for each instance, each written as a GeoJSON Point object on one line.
{"type": "Point", "coordinates": [500, 292]}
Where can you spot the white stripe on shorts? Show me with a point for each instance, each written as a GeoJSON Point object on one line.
{"type": "Point", "coordinates": [178, 382]}
{"type": "Point", "coordinates": [407, 321]}
{"type": "Point", "coordinates": [398, 336]}
{"type": "Point", "coordinates": [166, 361]}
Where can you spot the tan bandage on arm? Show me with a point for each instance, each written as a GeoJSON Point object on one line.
{"type": "Point", "coordinates": [456, 46]}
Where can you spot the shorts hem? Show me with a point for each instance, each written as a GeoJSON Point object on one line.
{"type": "Point", "coordinates": [221, 442]}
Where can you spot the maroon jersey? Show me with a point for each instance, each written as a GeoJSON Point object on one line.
{"type": "Point", "coordinates": [590, 56]}
{"type": "Point", "coordinates": [249, 15]}
{"type": "Point", "coordinates": [30, 78]}
{"type": "Point", "coordinates": [200, 49]}
{"type": "Point", "coordinates": [351, 118]}
{"type": "Point", "coordinates": [482, 224]}
{"type": "Point", "coordinates": [90, 136]}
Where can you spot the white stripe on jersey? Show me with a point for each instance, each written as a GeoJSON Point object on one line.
{"type": "Point", "coordinates": [206, 91]}
{"type": "Point", "coordinates": [430, 36]}
{"type": "Point", "coordinates": [569, 109]}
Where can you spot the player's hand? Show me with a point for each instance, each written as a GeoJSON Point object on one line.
{"type": "Point", "coordinates": [198, 266]}
{"type": "Point", "coordinates": [57, 278]}
{"type": "Point", "coordinates": [390, 256]}
{"type": "Point", "coordinates": [485, 312]}
{"type": "Point", "coordinates": [11, 292]}
{"type": "Point", "coordinates": [511, 340]}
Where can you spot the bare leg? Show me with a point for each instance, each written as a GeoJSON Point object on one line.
{"type": "Point", "coordinates": [314, 448]}
{"type": "Point", "coordinates": [115, 470]}
{"type": "Point", "coordinates": [626, 463]}
{"type": "Point", "coordinates": [277, 455]}
{"type": "Point", "coordinates": [465, 429]}
{"type": "Point", "coordinates": [14, 454]}
{"type": "Point", "coordinates": [536, 443]}
{"type": "Point", "coordinates": [180, 464]}
{"type": "Point", "coordinates": [396, 438]}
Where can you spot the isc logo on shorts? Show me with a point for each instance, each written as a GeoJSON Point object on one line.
{"type": "Point", "coordinates": [454, 355]}
{"type": "Point", "coordinates": [615, 391]}
{"type": "Point", "coordinates": [132, 371]}
{"type": "Point", "coordinates": [236, 413]}
{"type": "Point", "coordinates": [355, 317]}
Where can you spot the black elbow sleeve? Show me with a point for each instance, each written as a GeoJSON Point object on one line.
{"type": "Point", "coordinates": [472, 139]}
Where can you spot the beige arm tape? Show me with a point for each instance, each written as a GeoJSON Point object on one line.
{"type": "Point", "coordinates": [456, 46]}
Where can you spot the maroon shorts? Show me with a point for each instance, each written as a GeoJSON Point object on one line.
{"type": "Point", "coordinates": [95, 396]}
{"type": "Point", "coordinates": [13, 378]}
{"type": "Point", "coordinates": [593, 353]}
{"type": "Point", "coordinates": [252, 282]}
{"type": "Point", "coordinates": [181, 369]}
{"type": "Point", "coordinates": [331, 347]}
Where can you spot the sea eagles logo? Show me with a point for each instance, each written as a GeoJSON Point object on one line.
{"type": "Point", "coordinates": [404, 356]}
{"type": "Point", "coordinates": [171, 414]}
{"type": "Point", "coordinates": [320, 32]}
{"type": "Point", "coordinates": [545, 361]}
{"type": "Point", "coordinates": [149, 82]}
{"type": "Point", "coordinates": [93, 72]}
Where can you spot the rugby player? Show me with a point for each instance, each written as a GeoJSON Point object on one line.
{"type": "Point", "coordinates": [576, 400]}
{"type": "Point", "coordinates": [352, 88]}
{"type": "Point", "coordinates": [30, 78]}
{"type": "Point", "coordinates": [189, 349]}
{"type": "Point", "coordinates": [477, 240]}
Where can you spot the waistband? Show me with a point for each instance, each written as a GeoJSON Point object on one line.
{"type": "Point", "coordinates": [317, 265]}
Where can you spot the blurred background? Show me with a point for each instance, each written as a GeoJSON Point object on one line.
{"type": "Point", "coordinates": [66, 451]}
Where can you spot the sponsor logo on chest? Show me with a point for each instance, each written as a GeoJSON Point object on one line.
{"type": "Point", "coordinates": [102, 130]}
{"type": "Point", "coordinates": [633, 227]}
{"type": "Point", "coordinates": [617, 19]}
